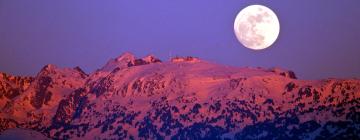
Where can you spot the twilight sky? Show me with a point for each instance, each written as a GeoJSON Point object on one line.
{"type": "Point", "coordinates": [318, 39]}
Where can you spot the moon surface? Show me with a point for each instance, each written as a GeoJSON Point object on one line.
{"type": "Point", "coordinates": [256, 27]}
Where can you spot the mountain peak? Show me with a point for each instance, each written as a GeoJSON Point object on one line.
{"type": "Point", "coordinates": [125, 57]}
{"type": "Point", "coordinates": [151, 59]}
{"type": "Point", "coordinates": [127, 60]}
{"type": "Point", "coordinates": [48, 69]}
{"type": "Point", "coordinates": [119, 62]}
{"type": "Point", "coordinates": [78, 69]}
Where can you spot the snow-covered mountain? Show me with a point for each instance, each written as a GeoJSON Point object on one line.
{"type": "Point", "coordinates": [185, 98]}
{"type": "Point", "coordinates": [37, 97]}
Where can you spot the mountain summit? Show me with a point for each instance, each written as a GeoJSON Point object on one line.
{"type": "Point", "coordinates": [185, 98]}
{"type": "Point", "coordinates": [120, 62]}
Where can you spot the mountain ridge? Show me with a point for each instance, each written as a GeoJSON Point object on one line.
{"type": "Point", "coordinates": [184, 98]}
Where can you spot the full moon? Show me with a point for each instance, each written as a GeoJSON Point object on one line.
{"type": "Point", "coordinates": [256, 27]}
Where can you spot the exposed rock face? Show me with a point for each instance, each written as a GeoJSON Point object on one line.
{"type": "Point", "coordinates": [70, 108]}
{"type": "Point", "coordinates": [186, 98]}
{"type": "Point", "coordinates": [185, 59]}
{"type": "Point", "coordinates": [12, 86]}
{"type": "Point", "coordinates": [146, 60]}
{"type": "Point", "coordinates": [42, 95]}
{"type": "Point", "coordinates": [286, 73]}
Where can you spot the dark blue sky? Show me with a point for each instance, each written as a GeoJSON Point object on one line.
{"type": "Point", "coordinates": [318, 39]}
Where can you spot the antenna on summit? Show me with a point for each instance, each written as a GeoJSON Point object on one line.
{"type": "Point", "coordinates": [170, 55]}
